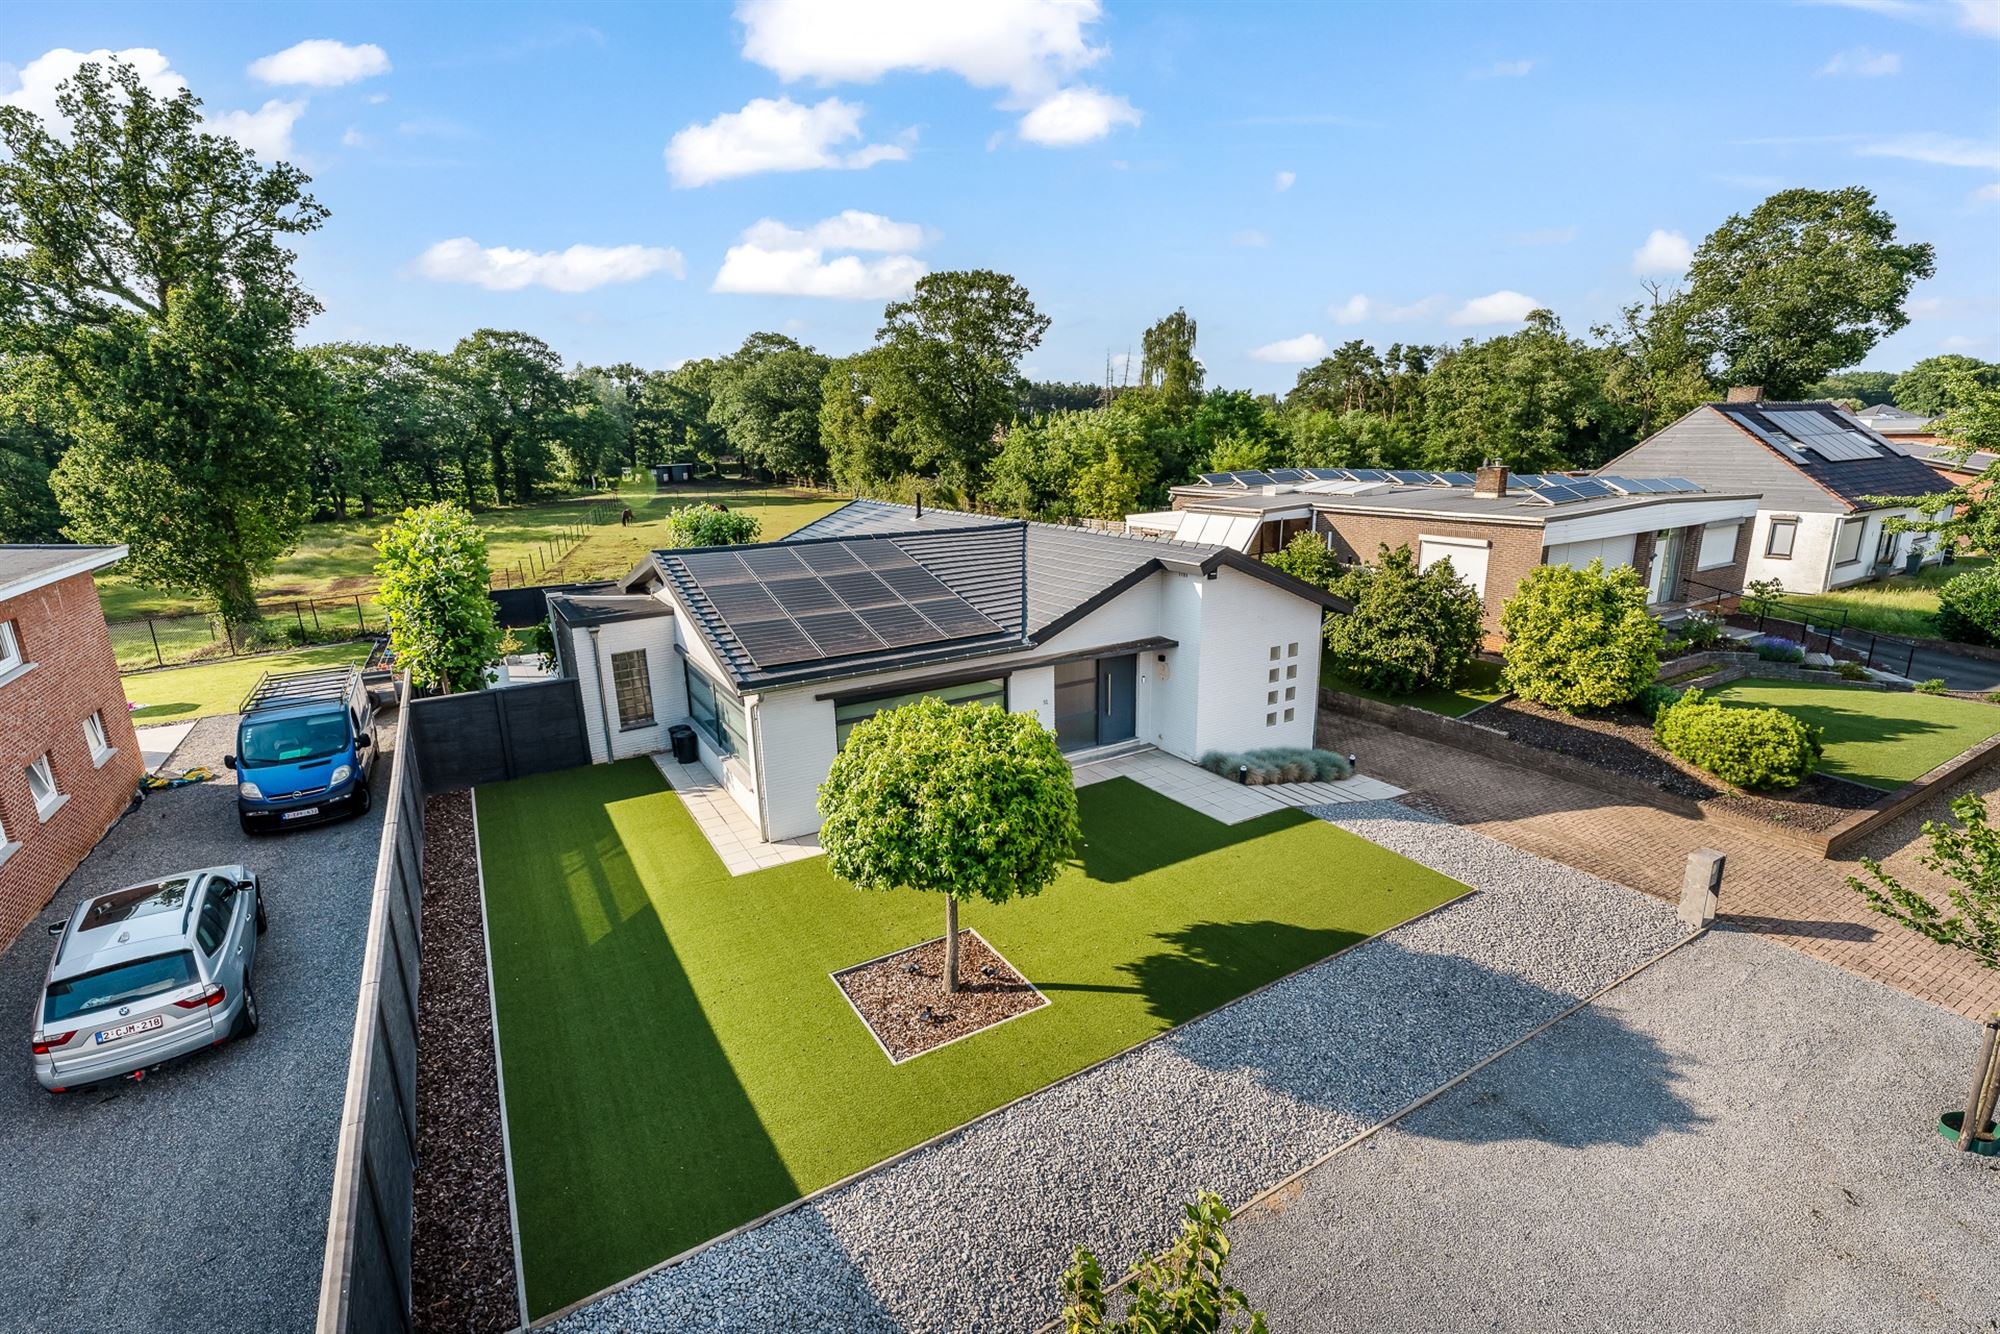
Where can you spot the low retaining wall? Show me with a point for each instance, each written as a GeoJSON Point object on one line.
{"type": "Point", "coordinates": [1862, 823]}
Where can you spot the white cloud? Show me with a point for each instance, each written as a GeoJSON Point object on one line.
{"type": "Point", "coordinates": [1663, 252]}
{"type": "Point", "coordinates": [1987, 194]}
{"type": "Point", "coordinates": [1076, 116]}
{"type": "Point", "coordinates": [1940, 150]}
{"type": "Point", "coordinates": [267, 131]}
{"type": "Point", "coordinates": [1291, 351]}
{"type": "Point", "coordinates": [1359, 309]}
{"type": "Point", "coordinates": [774, 135]}
{"type": "Point", "coordinates": [774, 259]}
{"type": "Point", "coordinates": [577, 269]}
{"type": "Point", "coordinates": [39, 77]}
{"type": "Point", "coordinates": [321, 63]}
{"type": "Point", "coordinates": [1961, 343]}
{"type": "Point", "coordinates": [1250, 237]}
{"type": "Point", "coordinates": [354, 138]}
{"type": "Point", "coordinates": [1502, 307]}
{"type": "Point", "coordinates": [1352, 311]}
{"type": "Point", "coordinates": [376, 99]}
{"type": "Point", "coordinates": [1285, 180]}
{"type": "Point", "coordinates": [1974, 16]}
{"type": "Point", "coordinates": [1862, 63]}
{"type": "Point", "coordinates": [1505, 69]}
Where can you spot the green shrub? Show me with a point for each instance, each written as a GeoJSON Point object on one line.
{"type": "Point", "coordinates": [1656, 697]}
{"type": "Point", "coordinates": [1308, 557]}
{"type": "Point", "coordinates": [1580, 639]}
{"type": "Point", "coordinates": [1699, 630]}
{"type": "Point", "coordinates": [1934, 686]}
{"type": "Point", "coordinates": [1852, 671]}
{"type": "Point", "coordinates": [1969, 606]}
{"type": "Point", "coordinates": [1279, 764]}
{"type": "Point", "coordinates": [1410, 630]}
{"type": "Point", "coordinates": [1745, 747]}
{"type": "Point", "coordinates": [700, 525]}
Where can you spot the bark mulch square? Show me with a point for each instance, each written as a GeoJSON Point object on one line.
{"type": "Point", "coordinates": [901, 996]}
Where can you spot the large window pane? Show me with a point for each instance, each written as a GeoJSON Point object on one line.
{"type": "Point", "coordinates": [1076, 704]}
{"type": "Point", "coordinates": [848, 716]}
{"type": "Point", "coordinates": [716, 715]}
{"type": "Point", "coordinates": [635, 688]}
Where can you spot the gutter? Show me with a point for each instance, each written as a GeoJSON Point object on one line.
{"type": "Point", "coordinates": [603, 713]}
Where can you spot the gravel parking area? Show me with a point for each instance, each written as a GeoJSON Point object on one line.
{"type": "Point", "coordinates": [198, 1198]}
{"type": "Point", "coordinates": [1738, 1138]}
{"type": "Point", "coordinates": [973, 1231]}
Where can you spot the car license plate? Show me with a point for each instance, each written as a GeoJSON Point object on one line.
{"type": "Point", "coordinates": [127, 1030]}
{"type": "Point", "coordinates": [300, 814]}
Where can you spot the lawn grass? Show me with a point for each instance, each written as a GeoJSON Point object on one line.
{"type": "Point", "coordinates": [678, 1061]}
{"type": "Point", "coordinates": [1477, 686]}
{"type": "Point", "coordinates": [1881, 738]}
{"type": "Point", "coordinates": [181, 694]}
{"type": "Point", "coordinates": [1902, 605]}
{"type": "Point", "coordinates": [337, 559]}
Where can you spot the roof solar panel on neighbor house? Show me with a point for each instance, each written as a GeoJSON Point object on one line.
{"type": "Point", "coordinates": [1366, 474]}
{"type": "Point", "coordinates": [1681, 484]}
{"type": "Point", "coordinates": [1409, 477]}
{"type": "Point", "coordinates": [1254, 478]}
{"type": "Point", "coordinates": [1456, 478]}
{"type": "Point", "coordinates": [1288, 474]}
{"type": "Point", "coordinates": [1588, 487]}
{"type": "Point", "coordinates": [1327, 474]}
{"type": "Point", "coordinates": [1218, 479]}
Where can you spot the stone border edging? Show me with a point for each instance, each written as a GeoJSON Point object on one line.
{"type": "Point", "coordinates": [1849, 831]}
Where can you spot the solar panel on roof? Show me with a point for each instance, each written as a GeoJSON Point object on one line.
{"type": "Point", "coordinates": [742, 602]}
{"type": "Point", "coordinates": [1680, 484]}
{"type": "Point", "coordinates": [1409, 477]}
{"type": "Point", "coordinates": [1218, 479]}
{"type": "Point", "coordinates": [716, 567]}
{"type": "Point", "coordinates": [860, 588]}
{"type": "Point", "coordinates": [1534, 481]}
{"type": "Point", "coordinates": [882, 555]}
{"type": "Point", "coordinates": [954, 616]}
{"type": "Point", "coordinates": [1328, 474]}
{"type": "Point", "coordinates": [1558, 495]}
{"type": "Point", "coordinates": [827, 557]}
{"type": "Point", "coordinates": [1588, 487]}
{"type": "Point", "coordinates": [799, 596]}
{"type": "Point", "coordinates": [774, 643]}
{"type": "Point", "coordinates": [913, 582]}
{"type": "Point", "coordinates": [1253, 478]}
{"type": "Point", "coordinates": [1366, 474]}
{"type": "Point", "coordinates": [839, 633]}
{"type": "Point", "coordinates": [899, 627]}
{"type": "Point", "coordinates": [1288, 474]}
{"type": "Point", "coordinates": [1456, 478]}
{"type": "Point", "coordinates": [771, 561]}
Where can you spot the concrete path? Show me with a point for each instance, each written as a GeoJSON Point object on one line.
{"type": "Point", "coordinates": [1738, 1138]}
{"type": "Point", "coordinates": [157, 744]}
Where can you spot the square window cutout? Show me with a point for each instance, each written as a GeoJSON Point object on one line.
{"type": "Point", "coordinates": [1274, 653]}
{"type": "Point", "coordinates": [1270, 720]}
{"type": "Point", "coordinates": [1292, 672]}
{"type": "Point", "coordinates": [1292, 649]}
{"type": "Point", "coordinates": [1270, 697]}
{"type": "Point", "coordinates": [1288, 715]}
{"type": "Point", "coordinates": [1291, 693]}
{"type": "Point", "coordinates": [1273, 677]}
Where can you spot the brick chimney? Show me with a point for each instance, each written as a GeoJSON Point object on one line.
{"type": "Point", "coordinates": [1745, 393]}
{"type": "Point", "coordinates": [1490, 480]}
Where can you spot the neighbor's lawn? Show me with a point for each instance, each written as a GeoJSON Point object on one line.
{"type": "Point", "coordinates": [1480, 685]}
{"type": "Point", "coordinates": [334, 560]}
{"type": "Point", "coordinates": [678, 1061]}
{"type": "Point", "coordinates": [179, 694]}
{"type": "Point", "coordinates": [1902, 605]}
{"type": "Point", "coordinates": [1880, 738]}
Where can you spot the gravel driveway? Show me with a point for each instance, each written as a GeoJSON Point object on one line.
{"type": "Point", "coordinates": [198, 1198]}
{"type": "Point", "coordinates": [1738, 1138]}
{"type": "Point", "coordinates": [972, 1233]}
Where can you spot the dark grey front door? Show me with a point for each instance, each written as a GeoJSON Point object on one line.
{"type": "Point", "coordinates": [1117, 699]}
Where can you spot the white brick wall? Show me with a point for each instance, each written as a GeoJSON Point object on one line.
{"type": "Point", "coordinates": [663, 665]}
{"type": "Point", "coordinates": [1242, 619]}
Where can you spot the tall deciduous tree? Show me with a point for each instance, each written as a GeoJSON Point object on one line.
{"type": "Point", "coordinates": [434, 579]}
{"type": "Point", "coordinates": [1936, 385]}
{"type": "Point", "coordinates": [951, 357]}
{"type": "Point", "coordinates": [516, 403]}
{"type": "Point", "coordinates": [767, 401]}
{"type": "Point", "coordinates": [1804, 284]}
{"type": "Point", "coordinates": [865, 444]}
{"type": "Point", "coordinates": [968, 801]}
{"type": "Point", "coordinates": [1167, 365]}
{"type": "Point", "coordinates": [1533, 399]}
{"type": "Point", "coordinates": [141, 258]}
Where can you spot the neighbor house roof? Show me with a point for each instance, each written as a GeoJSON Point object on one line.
{"type": "Point", "coordinates": [24, 568]}
{"type": "Point", "coordinates": [1533, 500]}
{"type": "Point", "coordinates": [1944, 457]}
{"type": "Point", "coordinates": [1841, 454]}
{"type": "Point", "coordinates": [587, 609]}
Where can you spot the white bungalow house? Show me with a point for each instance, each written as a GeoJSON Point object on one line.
{"type": "Point", "coordinates": [774, 652]}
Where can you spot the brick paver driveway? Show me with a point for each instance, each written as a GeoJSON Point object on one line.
{"type": "Point", "coordinates": [1774, 890]}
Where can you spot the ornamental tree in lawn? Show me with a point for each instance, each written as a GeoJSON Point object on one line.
{"type": "Point", "coordinates": [434, 580]}
{"type": "Point", "coordinates": [968, 801]}
{"type": "Point", "coordinates": [1580, 639]}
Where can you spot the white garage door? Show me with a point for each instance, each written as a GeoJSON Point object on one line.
{"type": "Point", "coordinates": [1613, 551]}
{"type": "Point", "coordinates": [1467, 557]}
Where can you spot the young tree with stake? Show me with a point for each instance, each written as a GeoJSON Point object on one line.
{"type": "Point", "coordinates": [968, 801]}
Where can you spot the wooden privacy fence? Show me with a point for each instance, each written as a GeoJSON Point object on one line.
{"type": "Point", "coordinates": [490, 736]}
{"type": "Point", "coordinates": [365, 1282]}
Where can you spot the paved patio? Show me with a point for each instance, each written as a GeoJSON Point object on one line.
{"type": "Point", "coordinates": [727, 826]}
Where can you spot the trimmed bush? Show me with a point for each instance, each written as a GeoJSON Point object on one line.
{"type": "Point", "coordinates": [1934, 686]}
{"type": "Point", "coordinates": [1656, 697]}
{"type": "Point", "coordinates": [1279, 764]}
{"type": "Point", "coordinates": [1410, 629]}
{"type": "Point", "coordinates": [1580, 639]}
{"type": "Point", "coordinates": [1745, 747]}
{"type": "Point", "coordinates": [1776, 648]}
{"type": "Point", "coordinates": [1969, 606]}
{"type": "Point", "coordinates": [1853, 671]}
{"type": "Point", "coordinates": [700, 525]}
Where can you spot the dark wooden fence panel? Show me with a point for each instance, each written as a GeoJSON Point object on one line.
{"type": "Point", "coordinates": [516, 608]}
{"type": "Point", "coordinates": [490, 736]}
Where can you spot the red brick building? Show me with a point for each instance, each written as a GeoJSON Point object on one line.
{"type": "Point", "coordinates": [69, 761]}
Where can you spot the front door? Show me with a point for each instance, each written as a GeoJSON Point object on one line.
{"type": "Point", "coordinates": [1117, 698]}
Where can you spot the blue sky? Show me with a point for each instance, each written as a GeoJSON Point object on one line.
{"type": "Point", "coordinates": [1294, 175]}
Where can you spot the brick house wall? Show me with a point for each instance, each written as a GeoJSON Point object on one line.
{"type": "Point", "coordinates": [61, 631]}
{"type": "Point", "coordinates": [1516, 549]}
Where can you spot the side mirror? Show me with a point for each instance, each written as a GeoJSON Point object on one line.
{"type": "Point", "coordinates": [229, 761]}
{"type": "Point", "coordinates": [56, 928]}
{"type": "Point", "coordinates": [363, 742]}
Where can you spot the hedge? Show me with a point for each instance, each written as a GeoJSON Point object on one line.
{"type": "Point", "coordinates": [1745, 747]}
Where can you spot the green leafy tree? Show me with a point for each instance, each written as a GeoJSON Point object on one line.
{"type": "Point", "coordinates": [1104, 463]}
{"type": "Point", "coordinates": [141, 261]}
{"type": "Point", "coordinates": [950, 359]}
{"type": "Point", "coordinates": [1968, 857]}
{"type": "Point", "coordinates": [863, 436]}
{"type": "Point", "coordinates": [1179, 1292]}
{"type": "Point", "coordinates": [967, 801]}
{"type": "Point", "coordinates": [1967, 515]}
{"type": "Point", "coordinates": [1168, 366]}
{"type": "Point", "coordinates": [30, 447]}
{"type": "Point", "coordinates": [1533, 399]}
{"type": "Point", "coordinates": [768, 399]}
{"type": "Point", "coordinates": [700, 525]}
{"type": "Point", "coordinates": [1580, 639]}
{"type": "Point", "coordinates": [597, 437]}
{"type": "Point", "coordinates": [1310, 560]}
{"type": "Point", "coordinates": [1804, 284]}
{"type": "Point", "coordinates": [1936, 385]}
{"type": "Point", "coordinates": [515, 400]}
{"type": "Point", "coordinates": [1410, 629]}
{"type": "Point", "coordinates": [434, 580]}
{"type": "Point", "coordinates": [1868, 388]}
{"type": "Point", "coordinates": [1651, 368]}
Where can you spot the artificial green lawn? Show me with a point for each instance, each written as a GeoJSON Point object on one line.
{"type": "Point", "coordinates": [1478, 686]}
{"type": "Point", "coordinates": [181, 694]}
{"type": "Point", "coordinates": [677, 1060]}
{"type": "Point", "coordinates": [1881, 738]}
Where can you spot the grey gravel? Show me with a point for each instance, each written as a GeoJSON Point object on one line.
{"type": "Point", "coordinates": [197, 1199]}
{"type": "Point", "coordinates": [1740, 1138]}
{"type": "Point", "coordinates": [974, 1232]}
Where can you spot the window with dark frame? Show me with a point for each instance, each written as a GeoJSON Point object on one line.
{"type": "Point", "coordinates": [634, 686]}
{"type": "Point", "coordinates": [1778, 542]}
{"type": "Point", "coordinates": [1847, 542]}
{"type": "Point", "coordinates": [715, 714]}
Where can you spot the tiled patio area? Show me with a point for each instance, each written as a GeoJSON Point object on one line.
{"type": "Point", "coordinates": [730, 830]}
{"type": "Point", "coordinates": [1218, 797]}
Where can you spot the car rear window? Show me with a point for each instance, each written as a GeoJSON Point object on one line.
{"type": "Point", "coordinates": [294, 740]}
{"type": "Point", "coordinates": [119, 985]}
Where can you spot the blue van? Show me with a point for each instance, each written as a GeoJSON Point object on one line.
{"type": "Point", "coordinates": [305, 749]}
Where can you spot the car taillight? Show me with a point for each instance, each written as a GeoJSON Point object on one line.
{"type": "Point", "coordinates": [211, 995]}
{"type": "Point", "coordinates": [48, 1041]}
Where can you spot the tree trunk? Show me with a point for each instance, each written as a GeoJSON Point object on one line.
{"type": "Point", "coordinates": [950, 943]}
{"type": "Point", "coordinates": [236, 600]}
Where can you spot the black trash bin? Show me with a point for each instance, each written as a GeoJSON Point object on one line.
{"type": "Point", "coordinates": [682, 737]}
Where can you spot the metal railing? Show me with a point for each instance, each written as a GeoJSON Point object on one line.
{"type": "Point", "coordinates": [1815, 629]}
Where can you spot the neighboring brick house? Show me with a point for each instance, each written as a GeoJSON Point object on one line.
{"type": "Point", "coordinates": [69, 761]}
{"type": "Point", "coordinates": [1493, 527]}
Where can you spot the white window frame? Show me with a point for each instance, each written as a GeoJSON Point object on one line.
{"type": "Point", "coordinates": [1735, 528]}
{"type": "Point", "coordinates": [1858, 527]}
{"type": "Point", "coordinates": [47, 796]}
{"type": "Point", "coordinates": [10, 648]}
{"type": "Point", "coordinates": [1791, 526]}
{"type": "Point", "coordinates": [97, 737]}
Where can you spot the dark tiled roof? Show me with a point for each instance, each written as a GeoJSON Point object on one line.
{"type": "Point", "coordinates": [1882, 470]}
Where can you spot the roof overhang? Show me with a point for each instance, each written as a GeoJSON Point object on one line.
{"type": "Point", "coordinates": [86, 560]}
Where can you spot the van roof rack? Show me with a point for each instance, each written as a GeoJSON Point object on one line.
{"type": "Point", "coordinates": [285, 688]}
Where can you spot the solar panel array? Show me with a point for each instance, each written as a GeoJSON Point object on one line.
{"type": "Point", "coordinates": [1541, 488]}
{"type": "Point", "coordinates": [1298, 476]}
{"type": "Point", "coordinates": [811, 600]}
{"type": "Point", "coordinates": [1794, 430]}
